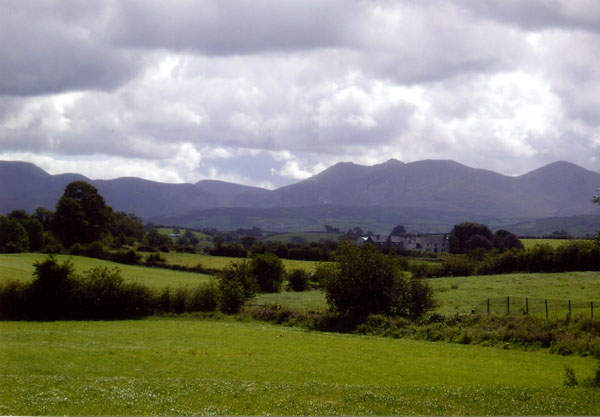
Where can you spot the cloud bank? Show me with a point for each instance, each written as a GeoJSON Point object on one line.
{"type": "Point", "coordinates": [266, 92]}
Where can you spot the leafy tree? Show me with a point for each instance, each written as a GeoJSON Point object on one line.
{"type": "Point", "coordinates": [248, 241]}
{"type": "Point", "coordinates": [81, 215]}
{"type": "Point", "coordinates": [504, 240]}
{"type": "Point", "coordinates": [364, 281]}
{"type": "Point", "coordinates": [13, 236]}
{"type": "Point", "coordinates": [156, 239]}
{"type": "Point", "coordinates": [44, 216]}
{"type": "Point", "coordinates": [477, 241]}
{"type": "Point", "coordinates": [34, 229]}
{"type": "Point", "coordinates": [461, 233]}
{"type": "Point", "coordinates": [268, 271]}
{"type": "Point", "coordinates": [124, 225]}
{"type": "Point", "coordinates": [236, 285]}
{"type": "Point", "coordinates": [298, 280]}
{"type": "Point", "coordinates": [398, 231]}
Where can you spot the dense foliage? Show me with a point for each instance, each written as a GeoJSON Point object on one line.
{"type": "Point", "coordinates": [59, 293]}
{"type": "Point", "coordinates": [363, 281]}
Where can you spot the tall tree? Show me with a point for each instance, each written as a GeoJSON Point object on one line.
{"type": "Point", "coordinates": [461, 233]}
{"type": "Point", "coordinates": [398, 231]}
{"type": "Point", "coordinates": [81, 215]}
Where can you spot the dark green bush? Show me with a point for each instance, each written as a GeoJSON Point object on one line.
{"type": "Point", "coordinates": [298, 280]}
{"type": "Point", "coordinates": [458, 266]}
{"type": "Point", "coordinates": [237, 284]}
{"type": "Point", "coordinates": [58, 293]}
{"type": "Point", "coordinates": [363, 281]}
{"type": "Point", "coordinates": [268, 271]}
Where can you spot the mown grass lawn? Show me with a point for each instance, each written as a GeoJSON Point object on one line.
{"type": "Point", "coordinates": [20, 267]}
{"type": "Point", "coordinates": [188, 366]}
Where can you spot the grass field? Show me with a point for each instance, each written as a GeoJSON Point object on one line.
{"type": "Point", "coordinates": [220, 262]}
{"type": "Point", "coordinates": [170, 230]}
{"type": "Point", "coordinates": [305, 236]}
{"type": "Point", "coordinates": [461, 294]}
{"type": "Point", "coordinates": [530, 243]}
{"type": "Point", "coordinates": [454, 294]}
{"type": "Point", "coordinates": [20, 267]}
{"type": "Point", "coordinates": [187, 366]}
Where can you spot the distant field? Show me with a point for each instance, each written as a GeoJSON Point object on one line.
{"type": "Point", "coordinates": [220, 262]}
{"type": "Point", "coordinates": [530, 243]}
{"type": "Point", "coordinates": [200, 367]}
{"type": "Point", "coordinates": [461, 294]}
{"type": "Point", "coordinates": [169, 231]}
{"type": "Point", "coordinates": [303, 236]}
{"type": "Point", "coordinates": [454, 294]}
{"type": "Point", "coordinates": [20, 267]}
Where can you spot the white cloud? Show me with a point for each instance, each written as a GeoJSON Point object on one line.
{"type": "Point", "coordinates": [173, 93]}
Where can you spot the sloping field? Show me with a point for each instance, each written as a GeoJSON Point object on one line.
{"type": "Point", "coordinates": [220, 262]}
{"type": "Point", "coordinates": [530, 243]}
{"type": "Point", "coordinates": [182, 367]}
{"type": "Point", "coordinates": [461, 294]}
{"type": "Point", "coordinates": [20, 267]}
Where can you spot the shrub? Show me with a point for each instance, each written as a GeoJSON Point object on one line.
{"type": "Point", "coordinates": [364, 281]}
{"type": "Point", "coordinates": [458, 266]}
{"type": "Point", "coordinates": [125, 257]}
{"type": "Point", "coordinates": [204, 297]}
{"type": "Point", "coordinates": [298, 280]}
{"type": "Point", "coordinates": [155, 258]}
{"type": "Point", "coordinates": [267, 270]}
{"type": "Point", "coordinates": [236, 285]}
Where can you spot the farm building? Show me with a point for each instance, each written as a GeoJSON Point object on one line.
{"type": "Point", "coordinates": [429, 243]}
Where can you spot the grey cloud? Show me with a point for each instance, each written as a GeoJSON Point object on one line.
{"type": "Point", "coordinates": [232, 27]}
{"type": "Point", "coordinates": [539, 14]}
{"type": "Point", "coordinates": [56, 49]}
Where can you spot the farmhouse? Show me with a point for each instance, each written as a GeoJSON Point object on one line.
{"type": "Point", "coordinates": [429, 243]}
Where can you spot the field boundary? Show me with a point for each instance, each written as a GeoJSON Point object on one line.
{"type": "Point", "coordinates": [542, 307]}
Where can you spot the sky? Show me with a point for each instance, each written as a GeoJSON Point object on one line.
{"type": "Point", "coordinates": [270, 92]}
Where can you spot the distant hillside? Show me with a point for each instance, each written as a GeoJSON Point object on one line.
{"type": "Point", "coordinates": [578, 226]}
{"type": "Point", "coordinates": [429, 195]}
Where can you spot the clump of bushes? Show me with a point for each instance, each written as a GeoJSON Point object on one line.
{"type": "Point", "coordinates": [363, 281]}
{"type": "Point", "coordinates": [298, 280]}
{"type": "Point", "coordinates": [58, 293]}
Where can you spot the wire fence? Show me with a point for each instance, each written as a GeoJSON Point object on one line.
{"type": "Point", "coordinates": [539, 307]}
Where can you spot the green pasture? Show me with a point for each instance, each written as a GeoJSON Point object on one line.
{"type": "Point", "coordinates": [530, 243]}
{"type": "Point", "coordinates": [200, 367]}
{"type": "Point", "coordinates": [462, 294]}
{"type": "Point", "coordinates": [170, 230]}
{"type": "Point", "coordinates": [305, 236]}
{"type": "Point", "coordinates": [220, 262]}
{"type": "Point", "coordinates": [20, 267]}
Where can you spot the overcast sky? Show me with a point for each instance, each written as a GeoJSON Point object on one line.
{"type": "Point", "coordinates": [268, 92]}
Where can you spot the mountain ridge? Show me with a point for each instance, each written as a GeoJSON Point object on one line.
{"type": "Point", "coordinates": [448, 188]}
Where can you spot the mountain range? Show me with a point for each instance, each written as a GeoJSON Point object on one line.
{"type": "Point", "coordinates": [429, 195]}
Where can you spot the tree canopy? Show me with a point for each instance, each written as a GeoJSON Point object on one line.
{"type": "Point", "coordinates": [81, 215]}
{"type": "Point", "coordinates": [364, 281]}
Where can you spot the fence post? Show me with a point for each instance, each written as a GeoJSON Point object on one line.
{"type": "Point", "coordinates": [546, 305]}
{"type": "Point", "coordinates": [507, 305]}
{"type": "Point", "coordinates": [569, 308]}
{"type": "Point", "coordinates": [592, 309]}
{"type": "Point", "coordinates": [526, 305]}
{"type": "Point", "coordinates": [488, 306]}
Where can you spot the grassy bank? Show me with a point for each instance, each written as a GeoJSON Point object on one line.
{"type": "Point", "coordinates": [179, 366]}
{"type": "Point", "coordinates": [20, 267]}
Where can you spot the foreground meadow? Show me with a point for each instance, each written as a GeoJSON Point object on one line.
{"type": "Point", "coordinates": [188, 366]}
